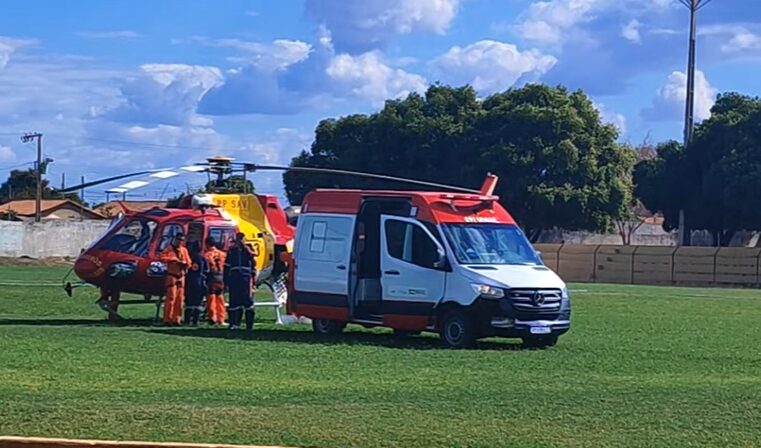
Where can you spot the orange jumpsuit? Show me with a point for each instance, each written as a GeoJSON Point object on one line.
{"type": "Point", "coordinates": [215, 302]}
{"type": "Point", "coordinates": [177, 261]}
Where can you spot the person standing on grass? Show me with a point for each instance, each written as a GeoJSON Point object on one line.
{"type": "Point", "coordinates": [215, 301]}
{"type": "Point", "coordinates": [195, 284]}
{"type": "Point", "coordinates": [240, 274]}
{"type": "Point", "coordinates": [177, 262]}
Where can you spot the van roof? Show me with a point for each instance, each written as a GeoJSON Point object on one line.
{"type": "Point", "coordinates": [433, 206]}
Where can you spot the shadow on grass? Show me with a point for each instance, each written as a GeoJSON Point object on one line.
{"type": "Point", "coordinates": [349, 338]}
{"type": "Point", "coordinates": [77, 322]}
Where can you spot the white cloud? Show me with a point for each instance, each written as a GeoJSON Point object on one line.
{"type": "Point", "coordinates": [735, 39]}
{"type": "Point", "coordinates": [371, 23]}
{"type": "Point", "coordinates": [320, 78]}
{"type": "Point", "coordinates": [7, 154]}
{"type": "Point", "coordinates": [614, 118]}
{"type": "Point", "coordinates": [492, 66]}
{"type": "Point", "coordinates": [548, 22]}
{"type": "Point", "coordinates": [9, 45]}
{"type": "Point", "coordinates": [630, 31]}
{"type": "Point", "coordinates": [275, 55]}
{"type": "Point", "coordinates": [165, 94]}
{"type": "Point", "coordinates": [118, 35]}
{"type": "Point", "coordinates": [670, 99]}
{"type": "Point", "coordinates": [367, 76]}
{"type": "Point", "coordinates": [552, 22]}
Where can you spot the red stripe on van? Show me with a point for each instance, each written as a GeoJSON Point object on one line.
{"type": "Point", "coordinates": [323, 312]}
{"type": "Point", "coordinates": [405, 322]}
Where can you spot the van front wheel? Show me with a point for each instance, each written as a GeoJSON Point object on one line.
{"type": "Point", "coordinates": [457, 329]}
{"type": "Point", "coordinates": [327, 326]}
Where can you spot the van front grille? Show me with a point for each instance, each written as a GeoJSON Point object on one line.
{"type": "Point", "coordinates": [532, 303]}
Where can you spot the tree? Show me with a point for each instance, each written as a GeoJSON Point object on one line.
{"type": "Point", "coordinates": [716, 179]}
{"type": "Point", "coordinates": [559, 166]}
{"type": "Point", "coordinates": [22, 184]}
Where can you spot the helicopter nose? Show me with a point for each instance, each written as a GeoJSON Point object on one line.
{"type": "Point", "coordinates": [86, 268]}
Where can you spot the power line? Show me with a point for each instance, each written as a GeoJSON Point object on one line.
{"type": "Point", "coordinates": [147, 145]}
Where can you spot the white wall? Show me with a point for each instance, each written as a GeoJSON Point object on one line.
{"type": "Point", "coordinates": [48, 238]}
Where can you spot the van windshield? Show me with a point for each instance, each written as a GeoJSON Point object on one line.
{"type": "Point", "coordinates": [490, 244]}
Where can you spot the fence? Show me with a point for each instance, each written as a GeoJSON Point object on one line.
{"type": "Point", "coordinates": [57, 238]}
{"type": "Point", "coordinates": [655, 265]}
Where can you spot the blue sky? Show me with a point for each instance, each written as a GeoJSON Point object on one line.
{"type": "Point", "coordinates": [120, 86]}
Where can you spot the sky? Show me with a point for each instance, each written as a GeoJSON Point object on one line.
{"type": "Point", "coordinates": [130, 85]}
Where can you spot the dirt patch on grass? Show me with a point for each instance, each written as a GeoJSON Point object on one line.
{"type": "Point", "coordinates": [32, 262]}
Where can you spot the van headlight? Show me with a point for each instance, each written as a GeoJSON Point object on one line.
{"type": "Point", "coordinates": [565, 293]}
{"type": "Point", "coordinates": [487, 291]}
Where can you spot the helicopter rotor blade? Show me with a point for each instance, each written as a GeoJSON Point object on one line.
{"type": "Point", "coordinates": [254, 167]}
{"type": "Point", "coordinates": [152, 176]}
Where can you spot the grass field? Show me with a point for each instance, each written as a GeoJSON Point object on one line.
{"type": "Point", "coordinates": [642, 366]}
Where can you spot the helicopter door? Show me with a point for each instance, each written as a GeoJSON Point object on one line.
{"type": "Point", "coordinates": [195, 233]}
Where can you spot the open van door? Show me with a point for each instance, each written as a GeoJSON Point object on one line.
{"type": "Point", "coordinates": [412, 273]}
{"type": "Point", "coordinates": [321, 270]}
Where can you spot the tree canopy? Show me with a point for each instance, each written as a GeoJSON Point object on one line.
{"type": "Point", "coordinates": [22, 184]}
{"type": "Point", "coordinates": [717, 178]}
{"type": "Point", "coordinates": [559, 165]}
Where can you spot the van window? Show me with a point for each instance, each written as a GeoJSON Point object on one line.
{"type": "Point", "coordinates": [410, 243]}
{"type": "Point", "coordinates": [327, 239]}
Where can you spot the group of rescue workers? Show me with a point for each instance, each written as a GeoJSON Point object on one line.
{"type": "Point", "coordinates": [194, 272]}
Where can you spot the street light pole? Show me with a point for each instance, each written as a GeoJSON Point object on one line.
{"type": "Point", "coordinates": [689, 111]}
{"type": "Point", "coordinates": [26, 138]}
{"type": "Point", "coordinates": [689, 108]}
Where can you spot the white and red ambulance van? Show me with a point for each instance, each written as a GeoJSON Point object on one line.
{"type": "Point", "coordinates": [452, 263]}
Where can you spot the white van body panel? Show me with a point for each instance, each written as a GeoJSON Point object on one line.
{"type": "Point", "coordinates": [403, 281]}
{"type": "Point", "coordinates": [322, 253]}
{"type": "Point", "coordinates": [460, 281]}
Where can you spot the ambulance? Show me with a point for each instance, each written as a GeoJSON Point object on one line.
{"type": "Point", "coordinates": [452, 263]}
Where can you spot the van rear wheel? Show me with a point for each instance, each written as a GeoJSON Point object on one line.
{"type": "Point", "coordinates": [328, 326]}
{"type": "Point", "coordinates": [457, 329]}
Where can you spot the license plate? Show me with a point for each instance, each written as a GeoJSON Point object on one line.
{"type": "Point", "coordinates": [541, 330]}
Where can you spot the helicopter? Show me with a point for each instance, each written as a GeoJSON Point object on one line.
{"type": "Point", "coordinates": [126, 256]}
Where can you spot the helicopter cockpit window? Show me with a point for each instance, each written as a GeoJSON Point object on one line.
{"type": "Point", "coordinates": [222, 236]}
{"type": "Point", "coordinates": [132, 238]}
{"type": "Point", "coordinates": [168, 234]}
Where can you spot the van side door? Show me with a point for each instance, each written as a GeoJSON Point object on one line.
{"type": "Point", "coordinates": [412, 282]}
{"type": "Point", "coordinates": [322, 255]}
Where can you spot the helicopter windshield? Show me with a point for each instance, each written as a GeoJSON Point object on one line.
{"type": "Point", "coordinates": [134, 237]}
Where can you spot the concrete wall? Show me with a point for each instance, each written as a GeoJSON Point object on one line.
{"type": "Point", "coordinates": [655, 265]}
{"type": "Point", "coordinates": [48, 238]}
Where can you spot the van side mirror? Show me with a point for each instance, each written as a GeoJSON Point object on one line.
{"type": "Point", "coordinates": [441, 260]}
{"type": "Point", "coordinates": [538, 253]}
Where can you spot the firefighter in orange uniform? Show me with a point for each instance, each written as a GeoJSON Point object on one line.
{"type": "Point", "coordinates": [177, 262]}
{"type": "Point", "coordinates": [215, 301]}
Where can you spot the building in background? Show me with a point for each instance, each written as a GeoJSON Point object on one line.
{"type": "Point", "coordinates": [51, 209]}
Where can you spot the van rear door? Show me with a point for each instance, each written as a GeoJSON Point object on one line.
{"type": "Point", "coordinates": [322, 254]}
{"type": "Point", "coordinates": [412, 284]}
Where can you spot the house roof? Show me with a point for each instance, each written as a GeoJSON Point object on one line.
{"type": "Point", "coordinates": [115, 207]}
{"type": "Point", "coordinates": [27, 207]}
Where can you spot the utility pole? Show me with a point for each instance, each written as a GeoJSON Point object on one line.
{"type": "Point", "coordinates": [26, 138]}
{"type": "Point", "coordinates": [689, 109]}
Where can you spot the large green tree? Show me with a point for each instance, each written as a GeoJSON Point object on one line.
{"type": "Point", "coordinates": [559, 165]}
{"type": "Point", "coordinates": [716, 179]}
{"type": "Point", "coordinates": [22, 184]}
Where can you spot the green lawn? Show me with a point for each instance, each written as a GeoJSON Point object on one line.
{"type": "Point", "coordinates": [642, 366]}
